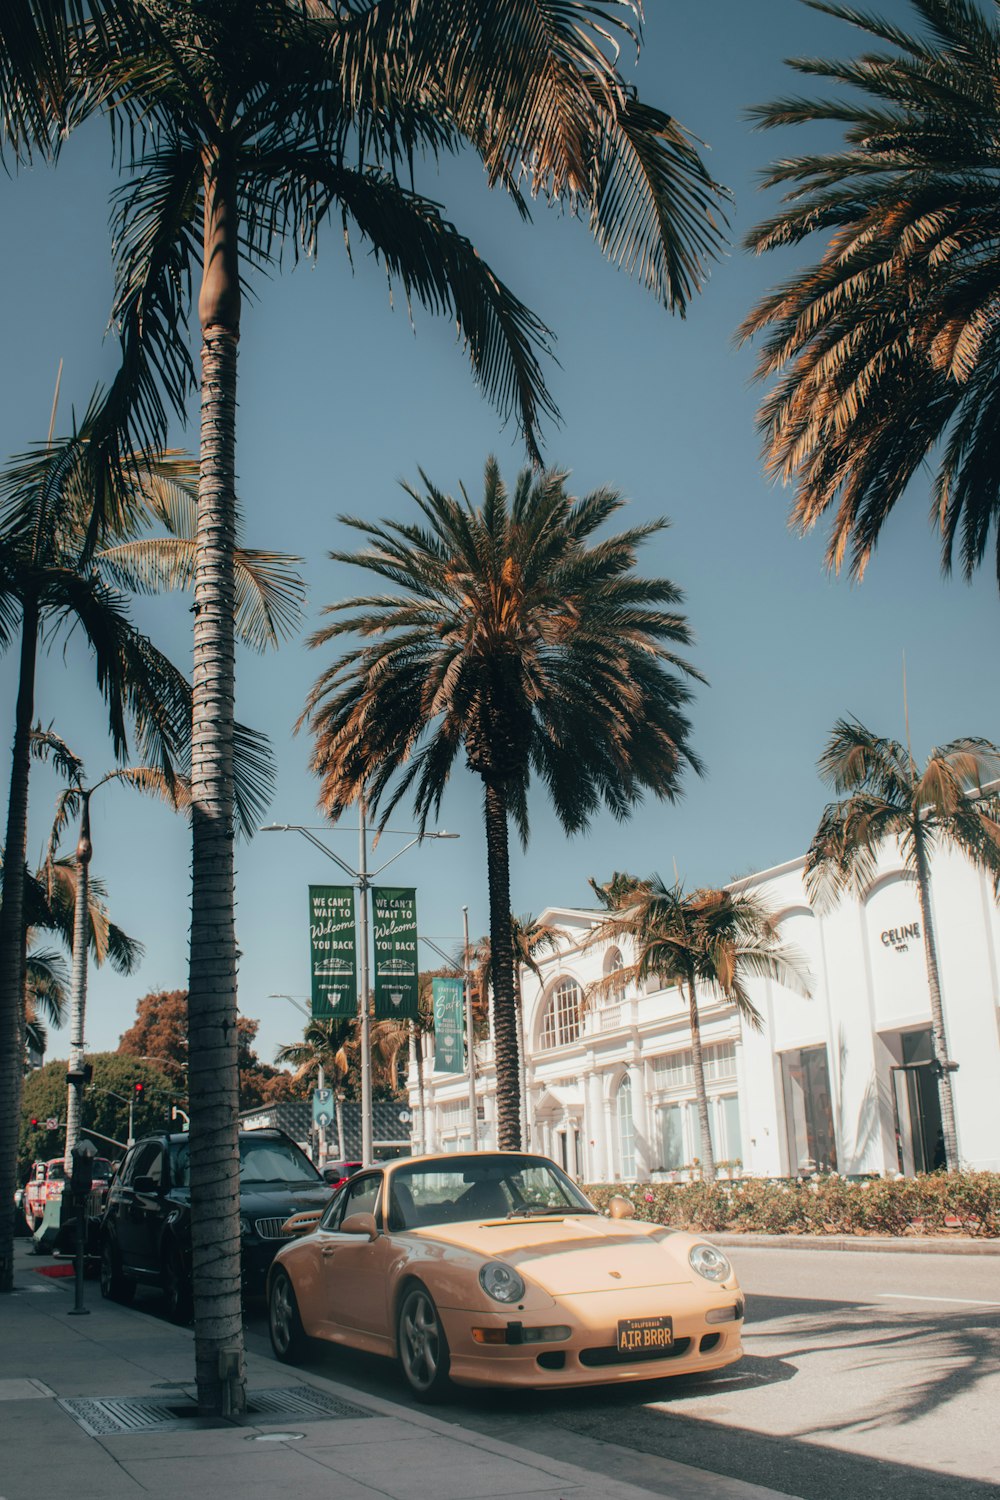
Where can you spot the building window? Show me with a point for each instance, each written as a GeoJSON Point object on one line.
{"type": "Point", "coordinates": [626, 1130]}
{"type": "Point", "coordinates": [672, 1153]}
{"type": "Point", "coordinates": [613, 964]}
{"type": "Point", "coordinates": [812, 1143]}
{"type": "Point", "coordinates": [676, 1069]}
{"type": "Point", "coordinates": [561, 1017]}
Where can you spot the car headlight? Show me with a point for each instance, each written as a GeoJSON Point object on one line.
{"type": "Point", "coordinates": [246, 1227]}
{"type": "Point", "coordinates": [710, 1263]}
{"type": "Point", "coordinates": [501, 1282]}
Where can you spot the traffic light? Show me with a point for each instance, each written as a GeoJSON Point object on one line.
{"type": "Point", "coordinates": [33, 1122]}
{"type": "Point", "coordinates": [138, 1090]}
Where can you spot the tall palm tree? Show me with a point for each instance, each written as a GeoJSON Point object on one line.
{"type": "Point", "coordinates": [523, 643]}
{"type": "Point", "coordinates": [715, 938]}
{"type": "Point", "coordinates": [254, 125]}
{"type": "Point", "coordinates": [44, 516]}
{"type": "Point", "coordinates": [886, 798]}
{"type": "Point", "coordinates": [886, 348]}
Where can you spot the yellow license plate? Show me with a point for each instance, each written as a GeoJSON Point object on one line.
{"type": "Point", "coordinates": [639, 1335]}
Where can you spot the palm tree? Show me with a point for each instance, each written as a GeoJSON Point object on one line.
{"type": "Point", "coordinates": [885, 798]}
{"type": "Point", "coordinates": [531, 939]}
{"type": "Point", "coordinates": [886, 348]}
{"type": "Point", "coordinates": [333, 1045]}
{"type": "Point", "coordinates": [520, 642]}
{"type": "Point", "coordinates": [252, 126]}
{"type": "Point", "coordinates": [44, 516]}
{"type": "Point", "coordinates": [715, 938]}
{"type": "Point", "coordinates": [75, 801]}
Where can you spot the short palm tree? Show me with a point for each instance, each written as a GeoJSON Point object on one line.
{"type": "Point", "coordinates": [718, 939]}
{"type": "Point", "coordinates": [885, 798]}
{"type": "Point", "coordinates": [72, 803]}
{"type": "Point", "coordinates": [886, 348]}
{"type": "Point", "coordinates": [333, 1045]}
{"type": "Point", "coordinates": [521, 643]}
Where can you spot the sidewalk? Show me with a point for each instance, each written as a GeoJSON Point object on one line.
{"type": "Point", "coordinates": [119, 1365]}
{"type": "Point", "coordinates": [875, 1244]}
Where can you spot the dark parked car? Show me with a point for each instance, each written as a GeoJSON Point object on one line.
{"type": "Point", "coordinates": [337, 1172]}
{"type": "Point", "coordinates": [145, 1232]}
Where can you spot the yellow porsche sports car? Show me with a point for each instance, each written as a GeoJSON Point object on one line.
{"type": "Point", "coordinates": [494, 1269]}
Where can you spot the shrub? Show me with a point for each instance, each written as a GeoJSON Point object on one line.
{"type": "Point", "coordinates": [966, 1203]}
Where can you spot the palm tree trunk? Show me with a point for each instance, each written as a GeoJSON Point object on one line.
{"type": "Point", "coordinates": [700, 1093]}
{"type": "Point", "coordinates": [212, 1002]}
{"type": "Point", "coordinates": [12, 943]}
{"type": "Point", "coordinates": [502, 962]}
{"type": "Point", "coordinates": [945, 1096]}
{"type": "Point", "coordinates": [78, 986]}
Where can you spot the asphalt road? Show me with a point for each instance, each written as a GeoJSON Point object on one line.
{"type": "Point", "coordinates": [865, 1375]}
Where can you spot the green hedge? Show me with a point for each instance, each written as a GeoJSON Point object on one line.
{"type": "Point", "coordinates": [959, 1203]}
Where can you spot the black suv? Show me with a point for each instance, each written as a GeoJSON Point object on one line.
{"type": "Point", "coordinates": [145, 1231]}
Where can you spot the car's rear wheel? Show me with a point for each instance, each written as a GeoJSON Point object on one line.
{"type": "Point", "coordinates": [115, 1285]}
{"type": "Point", "coordinates": [288, 1339]}
{"type": "Point", "coordinates": [421, 1345]}
{"type": "Point", "coordinates": [176, 1286]}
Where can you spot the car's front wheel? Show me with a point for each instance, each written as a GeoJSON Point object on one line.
{"type": "Point", "coordinates": [421, 1345]}
{"type": "Point", "coordinates": [176, 1286]}
{"type": "Point", "coordinates": [115, 1285]}
{"type": "Point", "coordinates": [288, 1339]}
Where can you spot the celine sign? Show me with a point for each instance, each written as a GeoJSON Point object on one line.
{"type": "Point", "coordinates": [899, 937]}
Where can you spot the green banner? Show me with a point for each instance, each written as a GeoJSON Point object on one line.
{"type": "Point", "coordinates": [394, 924]}
{"type": "Point", "coordinates": [332, 952]}
{"type": "Point", "coordinates": [449, 1016]}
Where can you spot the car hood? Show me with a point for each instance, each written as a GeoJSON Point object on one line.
{"type": "Point", "coordinates": [567, 1256]}
{"type": "Point", "coordinates": [263, 1202]}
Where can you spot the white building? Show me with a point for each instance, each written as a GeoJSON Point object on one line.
{"type": "Point", "coordinates": [841, 1080]}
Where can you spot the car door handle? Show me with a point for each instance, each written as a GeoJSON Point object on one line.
{"type": "Point", "coordinates": [327, 1251]}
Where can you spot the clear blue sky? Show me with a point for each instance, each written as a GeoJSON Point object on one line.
{"type": "Point", "coordinates": [340, 398]}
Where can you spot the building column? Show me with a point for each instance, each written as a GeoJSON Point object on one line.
{"type": "Point", "coordinates": [640, 1122]}
{"type": "Point", "coordinates": [594, 1130]}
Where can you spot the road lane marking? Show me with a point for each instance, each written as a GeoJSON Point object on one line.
{"type": "Point", "coordinates": [913, 1297]}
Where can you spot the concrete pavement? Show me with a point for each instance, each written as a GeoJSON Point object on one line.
{"type": "Point", "coordinates": [88, 1409]}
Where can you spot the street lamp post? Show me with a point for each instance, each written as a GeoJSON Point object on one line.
{"type": "Point", "coordinates": [362, 879]}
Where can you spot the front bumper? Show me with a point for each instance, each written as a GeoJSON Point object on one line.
{"type": "Point", "coordinates": [589, 1356]}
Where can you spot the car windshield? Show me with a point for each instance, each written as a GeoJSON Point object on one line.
{"type": "Point", "coordinates": [484, 1186]}
{"type": "Point", "coordinates": [56, 1171]}
{"type": "Point", "coordinates": [264, 1161]}
{"type": "Point", "coordinates": [102, 1169]}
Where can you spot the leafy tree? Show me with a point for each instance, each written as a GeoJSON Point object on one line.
{"type": "Point", "coordinates": [886, 348]}
{"type": "Point", "coordinates": [715, 938]}
{"type": "Point", "coordinates": [160, 1034]}
{"type": "Point", "coordinates": [105, 1113]}
{"type": "Point", "coordinates": [887, 798]}
{"type": "Point", "coordinates": [519, 641]}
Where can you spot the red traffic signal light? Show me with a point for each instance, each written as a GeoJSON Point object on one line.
{"type": "Point", "coordinates": [138, 1089]}
{"type": "Point", "coordinates": [33, 1121]}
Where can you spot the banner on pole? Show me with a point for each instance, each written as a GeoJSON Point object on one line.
{"type": "Point", "coordinates": [394, 926]}
{"type": "Point", "coordinates": [449, 1051]}
{"type": "Point", "coordinates": [332, 952]}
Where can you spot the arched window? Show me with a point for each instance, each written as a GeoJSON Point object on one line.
{"type": "Point", "coordinates": [613, 964]}
{"type": "Point", "coordinates": [626, 1130]}
{"type": "Point", "coordinates": [561, 1017]}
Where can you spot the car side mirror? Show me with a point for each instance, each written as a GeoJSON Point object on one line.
{"type": "Point", "coordinates": [621, 1208]}
{"type": "Point", "coordinates": [144, 1184]}
{"type": "Point", "coordinates": [360, 1224]}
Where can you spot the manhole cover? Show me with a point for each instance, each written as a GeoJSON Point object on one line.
{"type": "Point", "coordinates": [109, 1416]}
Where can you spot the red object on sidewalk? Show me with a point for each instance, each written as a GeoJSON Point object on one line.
{"type": "Point", "coordinates": [62, 1268]}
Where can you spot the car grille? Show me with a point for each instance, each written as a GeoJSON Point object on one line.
{"type": "Point", "coordinates": [613, 1356]}
{"type": "Point", "coordinates": [270, 1229]}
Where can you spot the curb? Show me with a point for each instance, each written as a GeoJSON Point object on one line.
{"type": "Point", "coordinates": [865, 1243]}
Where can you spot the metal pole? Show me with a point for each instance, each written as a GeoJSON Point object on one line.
{"type": "Point", "coordinates": [470, 1038]}
{"type": "Point", "coordinates": [320, 1128]}
{"type": "Point", "coordinates": [131, 1120]}
{"type": "Point", "coordinates": [367, 1153]}
{"type": "Point", "coordinates": [78, 994]}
